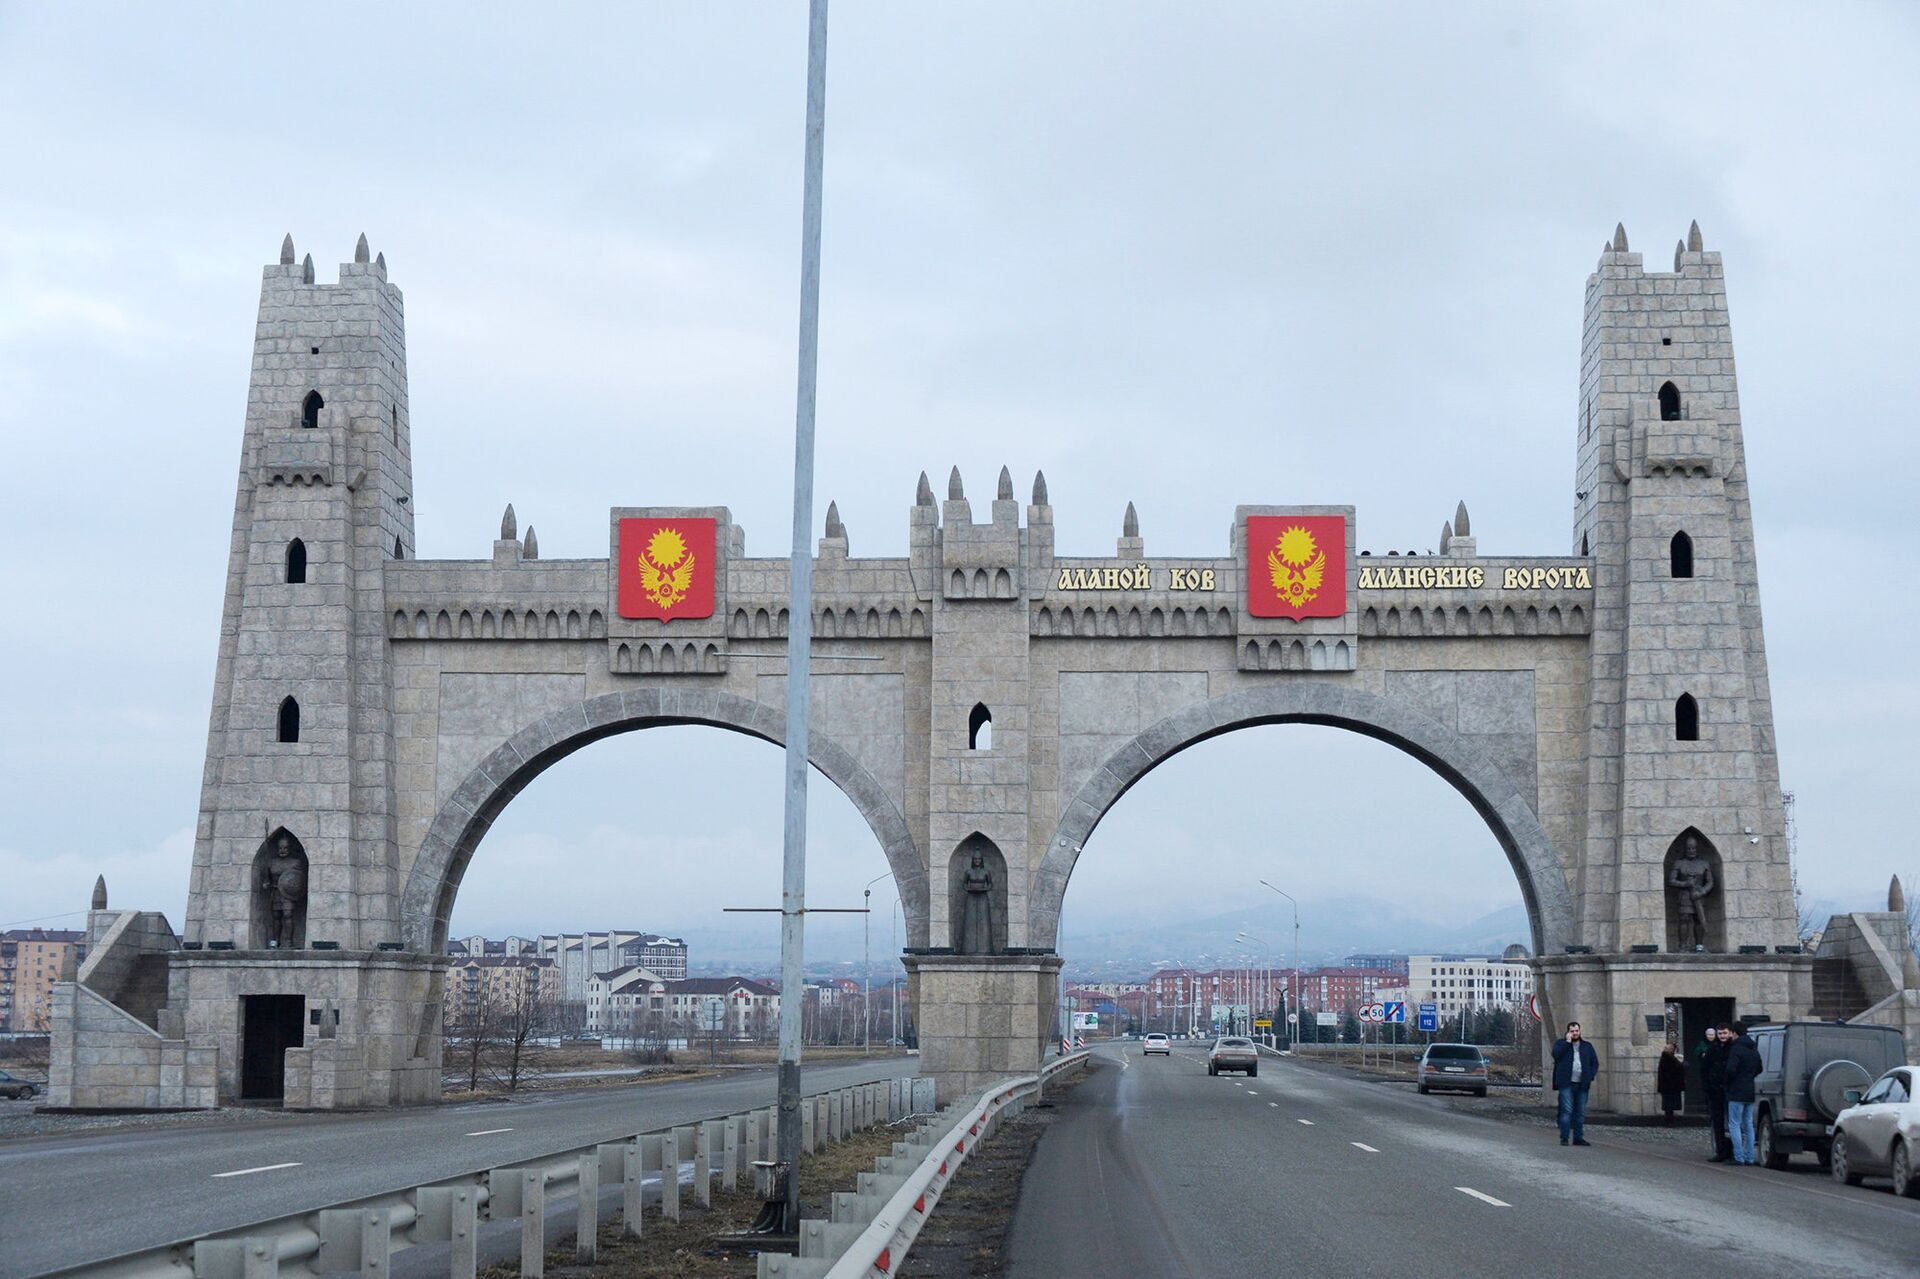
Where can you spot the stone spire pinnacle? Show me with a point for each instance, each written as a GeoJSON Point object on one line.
{"type": "Point", "coordinates": [1004, 493]}
{"type": "Point", "coordinates": [380, 260]}
{"type": "Point", "coordinates": [360, 253]}
{"type": "Point", "coordinates": [1461, 526]}
{"type": "Point", "coordinates": [1694, 243]}
{"type": "Point", "coordinates": [1130, 522]}
{"type": "Point", "coordinates": [923, 496]}
{"type": "Point", "coordinates": [1619, 237]}
{"type": "Point", "coordinates": [834, 527]}
{"type": "Point", "coordinates": [100, 893]}
{"type": "Point", "coordinates": [1446, 536]}
{"type": "Point", "coordinates": [509, 524]}
{"type": "Point", "coordinates": [530, 549]}
{"type": "Point", "coordinates": [1679, 248]}
{"type": "Point", "coordinates": [1896, 897]}
{"type": "Point", "coordinates": [306, 269]}
{"type": "Point", "coordinates": [954, 492]}
{"type": "Point", "coordinates": [286, 250]}
{"type": "Point", "coordinates": [1039, 488]}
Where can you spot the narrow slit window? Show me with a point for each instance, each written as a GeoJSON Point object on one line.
{"type": "Point", "coordinates": [296, 561]}
{"type": "Point", "coordinates": [1682, 555]}
{"type": "Point", "coordinates": [1669, 402]}
{"type": "Point", "coordinates": [980, 728]}
{"type": "Point", "coordinates": [399, 551]}
{"type": "Point", "coordinates": [289, 720]}
{"type": "Point", "coordinates": [310, 410]}
{"type": "Point", "coordinates": [1686, 719]}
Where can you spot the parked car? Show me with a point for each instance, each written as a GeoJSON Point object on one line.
{"type": "Point", "coordinates": [1880, 1132]}
{"type": "Point", "coordinates": [1457, 1066]}
{"type": "Point", "coordinates": [1806, 1070]}
{"type": "Point", "coordinates": [1233, 1053]}
{"type": "Point", "coordinates": [1157, 1043]}
{"type": "Point", "coordinates": [15, 1087]}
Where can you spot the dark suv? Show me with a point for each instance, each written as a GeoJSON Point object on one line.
{"type": "Point", "coordinates": [1806, 1068]}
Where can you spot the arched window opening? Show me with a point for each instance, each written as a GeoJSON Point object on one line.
{"type": "Point", "coordinates": [310, 410]}
{"type": "Point", "coordinates": [1682, 555]}
{"type": "Point", "coordinates": [1583, 545]}
{"type": "Point", "coordinates": [1669, 402]}
{"type": "Point", "coordinates": [296, 561]}
{"type": "Point", "coordinates": [980, 728]}
{"type": "Point", "coordinates": [1686, 719]}
{"type": "Point", "coordinates": [289, 720]}
{"type": "Point", "coordinates": [399, 551]}
{"type": "Point", "coordinates": [394, 412]}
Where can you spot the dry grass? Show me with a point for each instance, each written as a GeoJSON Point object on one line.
{"type": "Point", "coordinates": [686, 1249]}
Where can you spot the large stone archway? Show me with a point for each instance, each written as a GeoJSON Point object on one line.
{"type": "Point", "coordinates": [1467, 766]}
{"type": "Point", "coordinates": [426, 901]}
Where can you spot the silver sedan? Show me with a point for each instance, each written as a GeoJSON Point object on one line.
{"type": "Point", "coordinates": [1233, 1053]}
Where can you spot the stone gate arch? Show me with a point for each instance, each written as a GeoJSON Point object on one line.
{"type": "Point", "coordinates": [426, 902]}
{"type": "Point", "coordinates": [1498, 797]}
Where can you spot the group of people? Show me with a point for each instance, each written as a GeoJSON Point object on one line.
{"type": "Point", "coordinates": [1728, 1061]}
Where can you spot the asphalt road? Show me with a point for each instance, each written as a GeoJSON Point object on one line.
{"type": "Point", "coordinates": [69, 1200]}
{"type": "Point", "coordinates": [1154, 1168]}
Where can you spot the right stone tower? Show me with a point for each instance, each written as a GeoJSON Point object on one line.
{"type": "Point", "coordinates": [1681, 756]}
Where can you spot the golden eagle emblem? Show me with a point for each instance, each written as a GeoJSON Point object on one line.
{"type": "Point", "coordinates": [666, 568]}
{"type": "Point", "coordinates": [1298, 566]}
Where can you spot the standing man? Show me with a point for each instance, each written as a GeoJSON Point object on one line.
{"type": "Point", "coordinates": [1575, 1063]}
{"type": "Point", "coordinates": [1743, 1067]}
{"type": "Point", "coordinates": [1712, 1058]}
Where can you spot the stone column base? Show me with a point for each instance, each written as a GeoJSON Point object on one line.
{"type": "Point", "coordinates": [982, 1017]}
{"type": "Point", "coordinates": [1611, 996]}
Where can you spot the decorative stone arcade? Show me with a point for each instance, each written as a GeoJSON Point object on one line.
{"type": "Point", "coordinates": [1592, 706]}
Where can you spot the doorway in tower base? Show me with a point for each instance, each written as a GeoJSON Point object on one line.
{"type": "Point", "coordinates": [1694, 1016]}
{"type": "Point", "coordinates": [269, 1025]}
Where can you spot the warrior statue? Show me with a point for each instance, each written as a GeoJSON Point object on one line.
{"type": "Point", "coordinates": [284, 880]}
{"type": "Point", "coordinates": [976, 924]}
{"type": "Point", "coordinates": [1692, 878]}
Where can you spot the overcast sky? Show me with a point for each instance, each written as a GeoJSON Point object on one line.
{"type": "Point", "coordinates": [1185, 255]}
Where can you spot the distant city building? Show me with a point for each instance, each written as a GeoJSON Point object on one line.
{"type": "Point", "coordinates": [633, 1000]}
{"type": "Point", "coordinates": [479, 946]}
{"type": "Point", "coordinates": [664, 955]}
{"type": "Point", "coordinates": [1343, 989]}
{"type": "Point", "coordinates": [582, 955]}
{"type": "Point", "coordinates": [616, 1000]}
{"type": "Point", "coordinates": [1390, 963]}
{"type": "Point", "coordinates": [499, 983]}
{"type": "Point", "coordinates": [1457, 983]}
{"type": "Point", "coordinates": [31, 960]}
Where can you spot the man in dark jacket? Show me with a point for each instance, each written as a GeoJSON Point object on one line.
{"type": "Point", "coordinates": [1575, 1063]}
{"type": "Point", "coordinates": [1712, 1059]}
{"type": "Point", "coordinates": [1743, 1067]}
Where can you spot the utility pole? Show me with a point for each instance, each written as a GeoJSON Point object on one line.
{"type": "Point", "coordinates": [866, 961]}
{"type": "Point", "coordinates": [793, 880]}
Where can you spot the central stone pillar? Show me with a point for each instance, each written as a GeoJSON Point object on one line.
{"type": "Point", "coordinates": [982, 1017]}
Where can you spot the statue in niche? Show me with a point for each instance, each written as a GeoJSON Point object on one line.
{"type": "Point", "coordinates": [1692, 880]}
{"type": "Point", "coordinates": [283, 879]}
{"type": "Point", "coordinates": [976, 923]}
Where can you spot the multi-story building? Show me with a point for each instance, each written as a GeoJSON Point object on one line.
{"type": "Point", "coordinates": [1389, 962]}
{"type": "Point", "coordinates": [582, 955]}
{"type": "Point", "coordinates": [1341, 989]}
{"type": "Point", "coordinates": [1184, 999]}
{"type": "Point", "coordinates": [634, 1000]}
{"type": "Point", "coordinates": [617, 1001]}
{"type": "Point", "coordinates": [31, 960]}
{"type": "Point", "coordinates": [478, 945]}
{"type": "Point", "coordinates": [664, 955]}
{"type": "Point", "coordinates": [500, 983]}
{"type": "Point", "coordinates": [1457, 984]}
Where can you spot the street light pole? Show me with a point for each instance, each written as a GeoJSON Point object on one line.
{"type": "Point", "coordinates": [793, 883]}
{"type": "Point", "coordinates": [1293, 1000]}
{"type": "Point", "coordinates": [866, 962]}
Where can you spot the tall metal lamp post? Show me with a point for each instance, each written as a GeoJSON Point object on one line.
{"type": "Point", "coordinates": [1293, 1000]}
{"type": "Point", "coordinates": [866, 962]}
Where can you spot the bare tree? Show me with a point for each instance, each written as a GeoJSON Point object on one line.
{"type": "Point", "coordinates": [470, 1035]}
{"type": "Point", "coordinates": [525, 1019]}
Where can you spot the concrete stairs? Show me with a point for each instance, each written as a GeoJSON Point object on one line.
{"type": "Point", "coordinates": [1837, 993]}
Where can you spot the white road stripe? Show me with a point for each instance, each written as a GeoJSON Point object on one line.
{"type": "Point", "coordinates": [1307, 1122]}
{"type": "Point", "coordinates": [1364, 1146]}
{"type": "Point", "coordinates": [1274, 1104]}
{"type": "Point", "coordinates": [488, 1132]}
{"type": "Point", "coordinates": [241, 1172]}
{"type": "Point", "coordinates": [1252, 1093]}
{"type": "Point", "coordinates": [1469, 1190]}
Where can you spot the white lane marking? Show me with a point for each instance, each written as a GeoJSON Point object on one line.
{"type": "Point", "coordinates": [1274, 1104]}
{"type": "Point", "coordinates": [241, 1172]}
{"type": "Point", "coordinates": [488, 1132]}
{"type": "Point", "coordinates": [1469, 1190]}
{"type": "Point", "coordinates": [1307, 1122]}
{"type": "Point", "coordinates": [1364, 1146]}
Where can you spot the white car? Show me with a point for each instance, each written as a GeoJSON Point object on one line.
{"type": "Point", "coordinates": [1880, 1133]}
{"type": "Point", "coordinates": [1157, 1043]}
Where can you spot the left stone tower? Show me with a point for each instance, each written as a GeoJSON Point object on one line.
{"type": "Point", "coordinates": [296, 744]}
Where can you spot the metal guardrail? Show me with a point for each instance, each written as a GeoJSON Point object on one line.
{"type": "Point", "coordinates": [873, 1228]}
{"type": "Point", "coordinates": [362, 1234]}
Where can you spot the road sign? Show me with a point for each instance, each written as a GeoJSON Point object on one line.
{"type": "Point", "coordinates": [1394, 1012]}
{"type": "Point", "coordinates": [1326, 1019]}
{"type": "Point", "coordinates": [1533, 1006]}
{"type": "Point", "coordinates": [1086, 1021]}
{"type": "Point", "coordinates": [1429, 1017]}
{"type": "Point", "coordinates": [1373, 1012]}
{"type": "Point", "coordinates": [1293, 1019]}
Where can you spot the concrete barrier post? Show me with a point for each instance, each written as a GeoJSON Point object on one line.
{"type": "Point", "coordinates": [631, 1182]}
{"type": "Point", "coordinates": [670, 1176]}
{"type": "Point", "coordinates": [730, 1154]}
{"type": "Point", "coordinates": [752, 1141]}
{"type": "Point", "coordinates": [533, 1223]}
{"type": "Point", "coordinates": [586, 1213]}
{"type": "Point", "coordinates": [259, 1259]}
{"type": "Point", "coordinates": [703, 1164]}
{"type": "Point", "coordinates": [463, 1233]}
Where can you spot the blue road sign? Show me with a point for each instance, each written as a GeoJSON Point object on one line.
{"type": "Point", "coordinates": [1429, 1017]}
{"type": "Point", "coordinates": [1394, 1012]}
